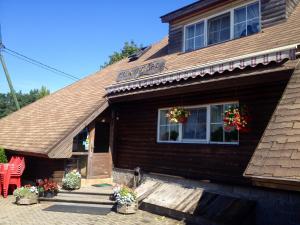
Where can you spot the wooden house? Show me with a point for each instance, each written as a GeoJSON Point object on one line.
{"type": "Point", "coordinates": [218, 55]}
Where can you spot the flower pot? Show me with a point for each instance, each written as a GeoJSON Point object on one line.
{"type": "Point", "coordinates": [49, 194]}
{"type": "Point", "coordinates": [182, 119]}
{"type": "Point", "coordinates": [127, 209]}
{"type": "Point", "coordinates": [26, 200]}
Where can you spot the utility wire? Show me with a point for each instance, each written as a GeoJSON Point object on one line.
{"type": "Point", "coordinates": [38, 63]}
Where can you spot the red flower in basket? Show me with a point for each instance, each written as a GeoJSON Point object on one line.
{"type": "Point", "coordinates": [236, 118]}
{"type": "Point", "coordinates": [178, 115]}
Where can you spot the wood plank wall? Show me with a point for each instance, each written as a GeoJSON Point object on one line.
{"type": "Point", "coordinates": [136, 131]}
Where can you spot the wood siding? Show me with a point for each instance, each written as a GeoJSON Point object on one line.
{"type": "Point", "coordinates": [272, 12]}
{"type": "Point", "coordinates": [136, 132]}
{"type": "Point", "coordinates": [175, 39]}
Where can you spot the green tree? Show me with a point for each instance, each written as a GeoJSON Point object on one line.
{"type": "Point", "coordinates": [3, 158]}
{"type": "Point", "coordinates": [128, 49]}
{"type": "Point", "coordinates": [7, 104]}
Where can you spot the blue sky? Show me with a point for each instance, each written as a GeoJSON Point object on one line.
{"type": "Point", "coordinates": [76, 36]}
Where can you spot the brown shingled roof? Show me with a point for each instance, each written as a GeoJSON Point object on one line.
{"type": "Point", "coordinates": [278, 153]}
{"type": "Point", "coordinates": [48, 126]}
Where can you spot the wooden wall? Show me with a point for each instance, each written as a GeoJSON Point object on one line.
{"type": "Point", "coordinates": [40, 168]}
{"type": "Point", "coordinates": [136, 132]}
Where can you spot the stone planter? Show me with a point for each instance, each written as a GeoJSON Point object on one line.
{"type": "Point", "coordinates": [27, 201]}
{"type": "Point", "coordinates": [127, 209]}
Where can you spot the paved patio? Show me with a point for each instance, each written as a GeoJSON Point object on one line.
{"type": "Point", "coordinates": [11, 214]}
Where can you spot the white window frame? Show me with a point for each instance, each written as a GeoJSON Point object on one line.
{"type": "Point", "coordinates": [205, 20]}
{"type": "Point", "coordinates": [208, 123]}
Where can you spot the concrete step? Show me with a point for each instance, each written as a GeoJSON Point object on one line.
{"type": "Point", "coordinates": [77, 198]}
{"type": "Point", "coordinates": [103, 192]}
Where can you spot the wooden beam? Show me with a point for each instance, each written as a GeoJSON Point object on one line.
{"type": "Point", "coordinates": [91, 133]}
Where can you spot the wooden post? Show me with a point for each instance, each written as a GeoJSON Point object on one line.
{"type": "Point", "coordinates": [112, 136]}
{"type": "Point", "coordinates": [91, 134]}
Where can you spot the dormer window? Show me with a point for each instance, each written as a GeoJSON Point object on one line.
{"type": "Point", "coordinates": [234, 23]}
{"type": "Point", "coordinates": [219, 29]}
{"type": "Point", "coordinates": [194, 36]}
{"type": "Point", "coordinates": [246, 20]}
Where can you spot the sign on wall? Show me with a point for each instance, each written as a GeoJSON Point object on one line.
{"type": "Point", "coordinates": [147, 69]}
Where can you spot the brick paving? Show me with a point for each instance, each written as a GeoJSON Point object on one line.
{"type": "Point", "coordinates": [11, 214]}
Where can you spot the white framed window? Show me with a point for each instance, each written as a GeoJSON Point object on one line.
{"type": "Point", "coordinates": [237, 22]}
{"type": "Point", "coordinates": [204, 125]}
{"type": "Point", "coordinates": [218, 29]}
{"type": "Point", "coordinates": [246, 20]}
{"type": "Point", "coordinates": [194, 38]}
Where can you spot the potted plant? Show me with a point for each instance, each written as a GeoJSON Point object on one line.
{"type": "Point", "coordinates": [126, 200]}
{"type": "Point", "coordinates": [236, 118]}
{"type": "Point", "coordinates": [72, 180]}
{"type": "Point", "coordinates": [178, 115]}
{"type": "Point", "coordinates": [47, 189]}
{"type": "Point", "coordinates": [26, 195]}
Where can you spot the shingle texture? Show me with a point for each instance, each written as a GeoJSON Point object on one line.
{"type": "Point", "coordinates": [42, 126]}
{"type": "Point", "coordinates": [278, 154]}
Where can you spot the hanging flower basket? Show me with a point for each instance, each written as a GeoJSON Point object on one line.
{"type": "Point", "coordinates": [236, 118]}
{"type": "Point", "coordinates": [178, 115]}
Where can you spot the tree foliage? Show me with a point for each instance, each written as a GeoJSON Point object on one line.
{"type": "Point", "coordinates": [7, 105]}
{"type": "Point", "coordinates": [3, 158]}
{"type": "Point", "coordinates": [128, 49]}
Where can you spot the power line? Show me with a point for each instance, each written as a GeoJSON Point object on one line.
{"type": "Point", "coordinates": [38, 63]}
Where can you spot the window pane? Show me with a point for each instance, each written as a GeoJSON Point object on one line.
{"type": "Point", "coordinates": [199, 42]}
{"type": "Point", "coordinates": [253, 26]}
{"type": "Point", "coordinates": [190, 31]}
{"type": "Point", "coordinates": [219, 29]}
{"type": "Point", "coordinates": [252, 11]}
{"type": "Point", "coordinates": [240, 30]}
{"type": "Point", "coordinates": [216, 114]}
{"type": "Point", "coordinates": [189, 45]}
{"type": "Point", "coordinates": [164, 133]}
{"type": "Point", "coordinates": [216, 132]}
{"type": "Point", "coordinates": [174, 132]}
{"type": "Point", "coordinates": [195, 127]}
{"type": "Point", "coordinates": [162, 117]}
{"type": "Point", "coordinates": [199, 29]}
{"type": "Point", "coordinates": [231, 136]}
{"type": "Point", "coordinates": [240, 15]}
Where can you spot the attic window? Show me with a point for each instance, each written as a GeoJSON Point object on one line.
{"type": "Point", "coordinates": [234, 23]}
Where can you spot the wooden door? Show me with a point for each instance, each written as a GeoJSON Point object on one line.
{"type": "Point", "coordinates": [100, 161]}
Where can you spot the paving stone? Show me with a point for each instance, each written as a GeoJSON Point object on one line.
{"type": "Point", "coordinates": [11, 214]}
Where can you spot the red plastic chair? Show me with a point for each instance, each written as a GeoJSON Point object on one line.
{"type": "Point", "coordinates": [11, 173]}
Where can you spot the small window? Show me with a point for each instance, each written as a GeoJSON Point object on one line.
{"type": "Point", "coordinates": [246, 20]}
{"type": "Point", "coordinates": [217, 132]}
{"type": "Point", "coordinates": [194, 36]}
{"type": "Point", "coordinates": [219, 29]}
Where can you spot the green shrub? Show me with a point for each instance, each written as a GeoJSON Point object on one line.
{"type": "Point", "coordinates": [72, 180]}
{"type": "Point", "coordinates": [3, 158]}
